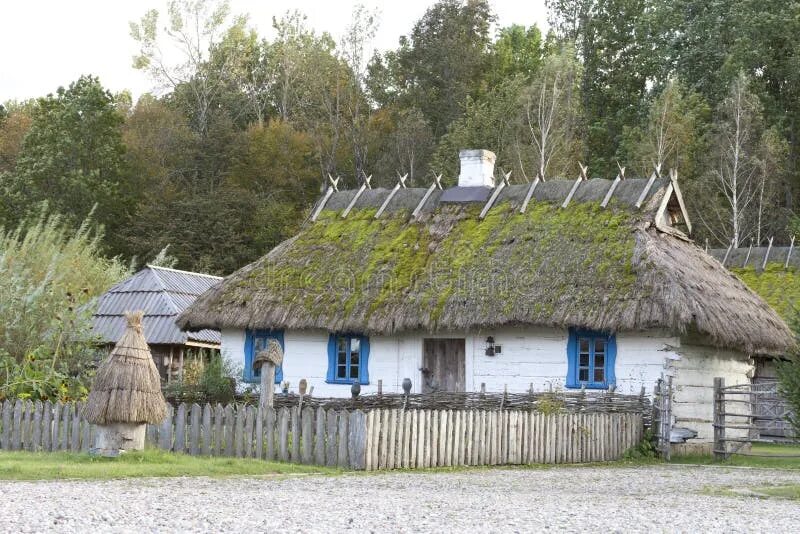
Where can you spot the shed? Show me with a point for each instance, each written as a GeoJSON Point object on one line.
{"type": "Point", "coordinates": [162, 294]}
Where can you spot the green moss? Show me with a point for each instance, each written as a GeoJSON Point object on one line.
{"type": "Point", "coordinates": [778, 286]}
{"type": "Point", "coordinates": [359, 266]}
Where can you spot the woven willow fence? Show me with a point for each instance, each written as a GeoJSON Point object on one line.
{"type": "Point", "coordinates": [379, 438]}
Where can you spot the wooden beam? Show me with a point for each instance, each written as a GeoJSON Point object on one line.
{"type": "Point", "coordinates": [650, 182]}
{"type": "Point", "coordinates": [392, 193]}
{"type": "Point", "coordinates": [749, 250]}
{"type": "Point", "coordinates": [614, 184]}
{"type": "Point", "coordinates": [529, 194]}
{"type": "Point", "coordinates": [495, 194]}
{"type": "Point", "coordinates": [581, 178]}
{"type": "Point", "coordinates": [726, 253]}
{"type": "Point", "coordinates": [766, 256]}
{"type": "Point", "coordinates": [437, 184]}
{"type": "Point", "coordinates": [355, 199]}
{"type": "Point", "coordinates": [331, 189]}
{"type": "Point", "coordinates": [789, 254]}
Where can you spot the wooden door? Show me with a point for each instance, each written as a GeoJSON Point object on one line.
{"type": "Point", "coordinates": [443, 365]}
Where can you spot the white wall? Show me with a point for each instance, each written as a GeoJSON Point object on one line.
{"type": "Point", "coordinates": [535, 356]}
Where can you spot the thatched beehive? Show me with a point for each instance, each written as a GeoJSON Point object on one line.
{"type": "Point", "coordinates": [126, 392]}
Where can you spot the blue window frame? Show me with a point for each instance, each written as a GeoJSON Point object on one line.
{"type": "Point", "coordinates": [256, 341]}
{"type": "Point", "coordinates": [591, 356]}
{"type": "Point", "coordinates": [348, 359]}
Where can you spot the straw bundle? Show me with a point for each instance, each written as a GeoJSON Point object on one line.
{"type": "Point", "coordinates": [273, 354]}
{"type": "Point", "coordinates": [127, 387]}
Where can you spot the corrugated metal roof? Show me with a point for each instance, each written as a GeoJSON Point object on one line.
{"type": "Point", "coordinates": [162, 294]}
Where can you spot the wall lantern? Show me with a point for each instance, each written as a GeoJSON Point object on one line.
{"type": "Point", "coordinates": [490, 348]}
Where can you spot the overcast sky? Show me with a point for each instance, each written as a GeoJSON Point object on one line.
{"type": "Point", "coordinates": [47, 43]}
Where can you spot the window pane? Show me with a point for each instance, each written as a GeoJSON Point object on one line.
{"type": "Point", "coordinates": [583, 375]}
{"type": "Point", "coordinates": [600, 346]}
{"type": "Point", "coordinates": [599, 374]}
{"type": "Point", "coordinates": [354, 372]}
{"type": "Point", "coordinates": [342, 359]}
{"type": "Point", "coordinates": [355, 344]}
{"type": "Point", "coordinates": [599, 360]}
{"type": "Point", "coordinates": [584, 362]}
{"type": "Point", "coordinates": [584, 345]}
{"type": "Point", "coordinates": [341, 371]}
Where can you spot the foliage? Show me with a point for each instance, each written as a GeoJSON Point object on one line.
{"type": "Point", "coordinates": [147, 463]}
{"type": "Point", "coordinates": [49, 277]}
{"type": "Point", "coordinates": [645, 449]}
{"type": "Point", "coordinates": [212, 381]}
{"type": "Point", "coordinates": [73, 158]}
{"type": "Point", "coordinates": [789, 387]}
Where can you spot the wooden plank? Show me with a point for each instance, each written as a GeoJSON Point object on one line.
{"type": "Point", "coordinates": [295, 412]}
{"type": "Point", "coordinates": [322, 203]}
{"type": "Point", "coordinates": [354, 200]}
{"type": "Point", "coordinates": [229, 430]}
{"type": "Point", "coordinates": [469, 420]}
{"type": "Point", "coordinates": [269, 434]}
{"type": "Point", "coordinates": [423, 458]}
{"type": "Point", "coordinates": [208, 431]}
{"type": "Point", "coordinates": [319, 437]}
{"type": "Point", "coordinates": [400, 439]}
{"type": "Point", "coordinates": [180, 429]}
{"type": "Point", "coordinates": [374, 439]}
{"type": "Point", "coordinates": [258, 450]}
{"type": "Point", "coordinates": [283, 434]}
{"type": "Point", "coordinates": [412, 438]}
{"type": "Point", "coordinates": [194, 429]}
{"type": "Point", "coordinates": [165, 434]}
{"type": "Point", "coordinates": [448, 438]}
{"type": "Point", "coordinates": [47, 422]}
{"type": "Point", "coordinates": [458, 451]}
{"type": "Point", "coordinates": [391, 437]}
{"type": "Point", "coordinates": [238, 429]}
{"type": "Point", "coordinates": [434, 429]}
{"type": "Point", "coordinates": [332, 425]}
{"type": "Point", "coordinates": [66, 418]}
{"type": "Point", "coordinates": [384, 441]}
{"type": "Point", "coordinates": [357, 443]}
{"type": "Point", "coordinates": [56, 432]}
{"type": "Point", "coordinates": [418, 210]}
{"type": "Point", "coordinates": [219, 429]}
{"type": "Point", "coordinates": [369, 463]}
{"type": "Point", "coordinates": [610, 192]}
{"type": "Point", "coordinates": [492, 199]}
{"type": "Point", "coordinates": [529, 194]}
{"type": "Point", "coordinates": [8, 417]}
{"type": "Point", "coordinates": [75, 438]}
{"type": "Point", "coordinates": [480, 435]}
{"type": "Point", "coordinates": [341, 458]}
{"type": "Point", "coordinates": [249, 426]}
{"type": "Point", "coordinates": [16, 432]}
{"type": "Point", "coordinates": [389, 198]}
{"type": "Point", "coordinates": [646, 189]}
{"type": "Point", "coordinates": [86, 440]}
{"type": "Point", "coordinates": [27, 414]}
{"type": "Point", "coordinates": [307, 435]}
{"type": "Point", "coordinates": [36, 434]}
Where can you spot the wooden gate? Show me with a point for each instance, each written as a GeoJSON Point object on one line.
{"type": "Point", "coordinates": [443, 365]}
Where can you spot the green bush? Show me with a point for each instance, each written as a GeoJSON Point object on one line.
{"type": "Point", "coordinates": [217, 383]}
{"type": "Point", "coordinates": [50, 275]}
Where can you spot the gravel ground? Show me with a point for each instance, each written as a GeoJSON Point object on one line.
{"type": "Point", "coordinates": [642, 499]}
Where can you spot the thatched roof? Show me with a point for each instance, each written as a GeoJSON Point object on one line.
{"type": "Point", "coordinates": [777, 281]}
{"type": "Point", "coordinates": [613, 269]}
{"type": "Point", "coordinates": [127, 388]}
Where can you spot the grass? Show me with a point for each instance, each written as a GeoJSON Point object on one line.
{"type": "Point", "coordinates": [774, 449]}
{"type": "Point", "coordinates": [148, 463]}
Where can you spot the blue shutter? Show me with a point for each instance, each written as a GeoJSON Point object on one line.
{"type": "Point", "coordinates": [572, 360]}
{"type": "Point", "coordinates": [363, 361]}
{"type": "Point", "coordinates": [331, 358]}
{"type": "Point", "coordinates": [247, 372]}
{"type": "Point", "coordinates": [611, 360]}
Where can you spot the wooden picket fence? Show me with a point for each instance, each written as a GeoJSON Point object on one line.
{"type": "Point", "coordinates": [373, 439]}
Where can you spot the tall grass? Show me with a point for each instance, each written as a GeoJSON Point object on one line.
{"type": "Point", "coordinates": [49, 275]}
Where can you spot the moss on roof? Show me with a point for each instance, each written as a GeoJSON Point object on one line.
{"type": "Point", "coordinates": [778, 286]}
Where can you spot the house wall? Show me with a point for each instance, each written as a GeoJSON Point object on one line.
{"type": "Point", "coordinates": [530, 356]}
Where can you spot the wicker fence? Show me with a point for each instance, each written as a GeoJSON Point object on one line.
{"type": "Point", "coordinates": [378, 438]}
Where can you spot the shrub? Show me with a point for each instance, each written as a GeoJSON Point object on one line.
{"type": "Point", "coordinates": [216, 383]}
{"type": "Point", "coordinates": [49, 276]}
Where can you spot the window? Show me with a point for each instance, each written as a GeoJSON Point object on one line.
{"type": "Point", "coordinates": [590, 357]}
{"type": "Point", "coordinates": [256, 341]}
{"type": "Point", "coordinates": [348, 356]}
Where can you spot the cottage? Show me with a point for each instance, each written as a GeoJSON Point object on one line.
{"type": "Point", "coordinates": [161, 294]}
{"type": "Point", "coordinates": [587, 284]}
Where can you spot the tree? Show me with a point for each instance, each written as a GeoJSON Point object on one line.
{"type": "Point", "coordinates": [551, 115]}
{"type": "Point", "coordinates": [73, 158]}
{"type": "Point", "coordinates": [15, 121]}
{"type": "Point", "coordinates": [743, 159]}
{"type": "Point", "coordinates": [406, 148]}
{"type": "Point", "coordinates": [439, 63]}
{"type": "Point", "coordinates": [195, 28]}
{"type": "Point", "coordinates": [674, 135]}
{"type": "Point", "coordinates": [517, 51]}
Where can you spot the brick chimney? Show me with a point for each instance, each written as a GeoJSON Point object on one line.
{"type": "Point", "coordinates": [477, 168]}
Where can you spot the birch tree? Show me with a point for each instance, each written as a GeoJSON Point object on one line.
{"type": "Point", "coordinates": [550, 115]}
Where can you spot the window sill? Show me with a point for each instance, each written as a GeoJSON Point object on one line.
{"type": "Point", "coordinates": [590, 386]}
{"type": "Point", "coordinates": [345, 383]}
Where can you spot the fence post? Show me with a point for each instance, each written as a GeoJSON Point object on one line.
{"type": "Point", "coordinates": [719, 419]}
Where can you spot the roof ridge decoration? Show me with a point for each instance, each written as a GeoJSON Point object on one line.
{"type": "Point", "coordinates": [656, 174]}
{"type": "Point", "coordinates": [529, 194]}
{"type": "Point", "coordinates": [495, 194]}
{"type": "Point", "coordinates": [364, 186]}
{"type": "Point", "coordinates": [614, 184]}
{"type": "Point", "coordinates": [331, 189]}
{"type": "Point", "coordinates": [400, 183]}
{"type": "Point", "coordinates": [437, 184]}
{"type": "Point", "coordinates": [582, 177]}
{"type": "Point", "coordinates": [789, 254]}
